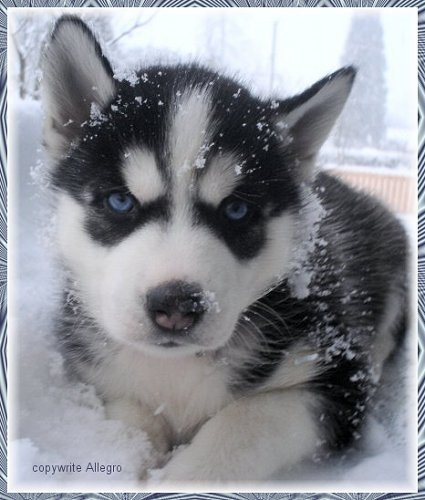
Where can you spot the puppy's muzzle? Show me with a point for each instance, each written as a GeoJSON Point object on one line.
{"type": "Point", "coordinates": [175, 305]}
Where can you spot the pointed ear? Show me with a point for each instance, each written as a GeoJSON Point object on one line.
{"type": "Point", "coordinates": [75, 75]}
{"type": "Point", "coordinates": [307, 119]}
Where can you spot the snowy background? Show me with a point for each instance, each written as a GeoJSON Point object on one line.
{"type": "Point", "coordinates": [278, 53]}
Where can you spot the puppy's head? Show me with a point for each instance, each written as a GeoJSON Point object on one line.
{"type": "Point", "coordinates": [178, 189]}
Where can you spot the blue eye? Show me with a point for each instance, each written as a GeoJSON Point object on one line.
{"type": "Point", "coordinates": [121, 203]}
{"type": "Point", "coordinates": [236, 210]}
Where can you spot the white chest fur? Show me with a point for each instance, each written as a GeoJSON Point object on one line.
{"type": "Point", "coordinates": [185, 390]}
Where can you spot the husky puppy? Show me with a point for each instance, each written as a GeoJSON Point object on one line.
{"type": "Point", "coordinates": [219, 292]}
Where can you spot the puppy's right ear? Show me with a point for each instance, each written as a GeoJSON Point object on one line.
{"type": "Point", "coordinates": [75, 75]}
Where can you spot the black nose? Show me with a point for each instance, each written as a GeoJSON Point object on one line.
{"type": "Point", "coordinates": [176, 305]}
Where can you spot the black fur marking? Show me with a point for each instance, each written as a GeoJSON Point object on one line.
{"type": "Point", "coordinates": [275, 315]}
{"type": "Point", "coordinates": [343, 390]}
{"type": "Point", "coordinates": [109, 228]}
{"type": "Point", "coordinates": [265, 200]}
{"type": "Point", "coordinates": [244, 238]}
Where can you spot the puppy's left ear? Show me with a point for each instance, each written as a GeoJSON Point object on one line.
{"type": "Point", "coordinates": [306, 120]}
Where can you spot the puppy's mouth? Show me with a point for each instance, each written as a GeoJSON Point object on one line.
{"type": "Point", "coordinates": [170, 347]}
{"type": "Point", "coordinates": [165, 340]}
{"type": "Point", "coordinates": [169, 344]}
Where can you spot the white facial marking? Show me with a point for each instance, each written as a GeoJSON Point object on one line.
{"type": "Point", "coordinates": [83, 256]}
{"type": "Point", "coordinates": [219, 180]}
{"type": "Point", "coordinates": [189, 143]}
{"type": "Point", "coordinates": [141, 174]}
{"type": "Point", "coordinates": [273, 262]}
{"type": "Point", "coordinates": [188, 138]}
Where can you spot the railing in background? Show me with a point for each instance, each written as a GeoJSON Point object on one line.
{"type": "Point", "coordinates": [396, 189]}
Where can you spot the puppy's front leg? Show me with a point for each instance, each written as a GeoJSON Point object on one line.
{"type": "Point", "coordinates": [249, 440]}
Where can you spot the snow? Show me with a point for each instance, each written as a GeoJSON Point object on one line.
{"type": "Point", "coordinates": [54, 421]}
{"type": "Point", "coordinates": [129, 76]}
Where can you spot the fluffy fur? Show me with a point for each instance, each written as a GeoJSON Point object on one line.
{"type": "Point", "coordinates": [220, 293]}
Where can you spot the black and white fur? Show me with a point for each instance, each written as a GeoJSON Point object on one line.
{"type": "Point", "coordinates": [243, 305]}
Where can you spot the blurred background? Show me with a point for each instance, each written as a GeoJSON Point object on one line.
{"type": "Point", "coordinates": [278, 53]}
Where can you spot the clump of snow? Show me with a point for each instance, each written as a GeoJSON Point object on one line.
{"type": "Point", "coordinates": [160, 409]}
{"type": "Point", "coordinates": [282, 125]}
{"type": "Point", "coordinates": [208, 301]}
{"type": "Point", "coordinates": [96, 115]}
{"type": "Point", "coordinates": [200, 160]}
{"type": "Point", "coordinates": [129, 75]}
{"type": "Point", "coordinates": [308, 358]}
{"type": "Point", "coordinates": [238, 169]}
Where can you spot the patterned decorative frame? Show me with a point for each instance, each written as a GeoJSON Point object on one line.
{"type": "Point", "coordinates": [4, 5]}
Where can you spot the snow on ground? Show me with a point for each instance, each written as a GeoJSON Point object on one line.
{"type": "Point", "coordinates": [54, 421]}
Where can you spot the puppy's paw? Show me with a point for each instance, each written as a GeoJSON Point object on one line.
{"type": "Point", "coordinates": [153, 470]}
{"type": "Point", "coordinates": [187, 466]}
